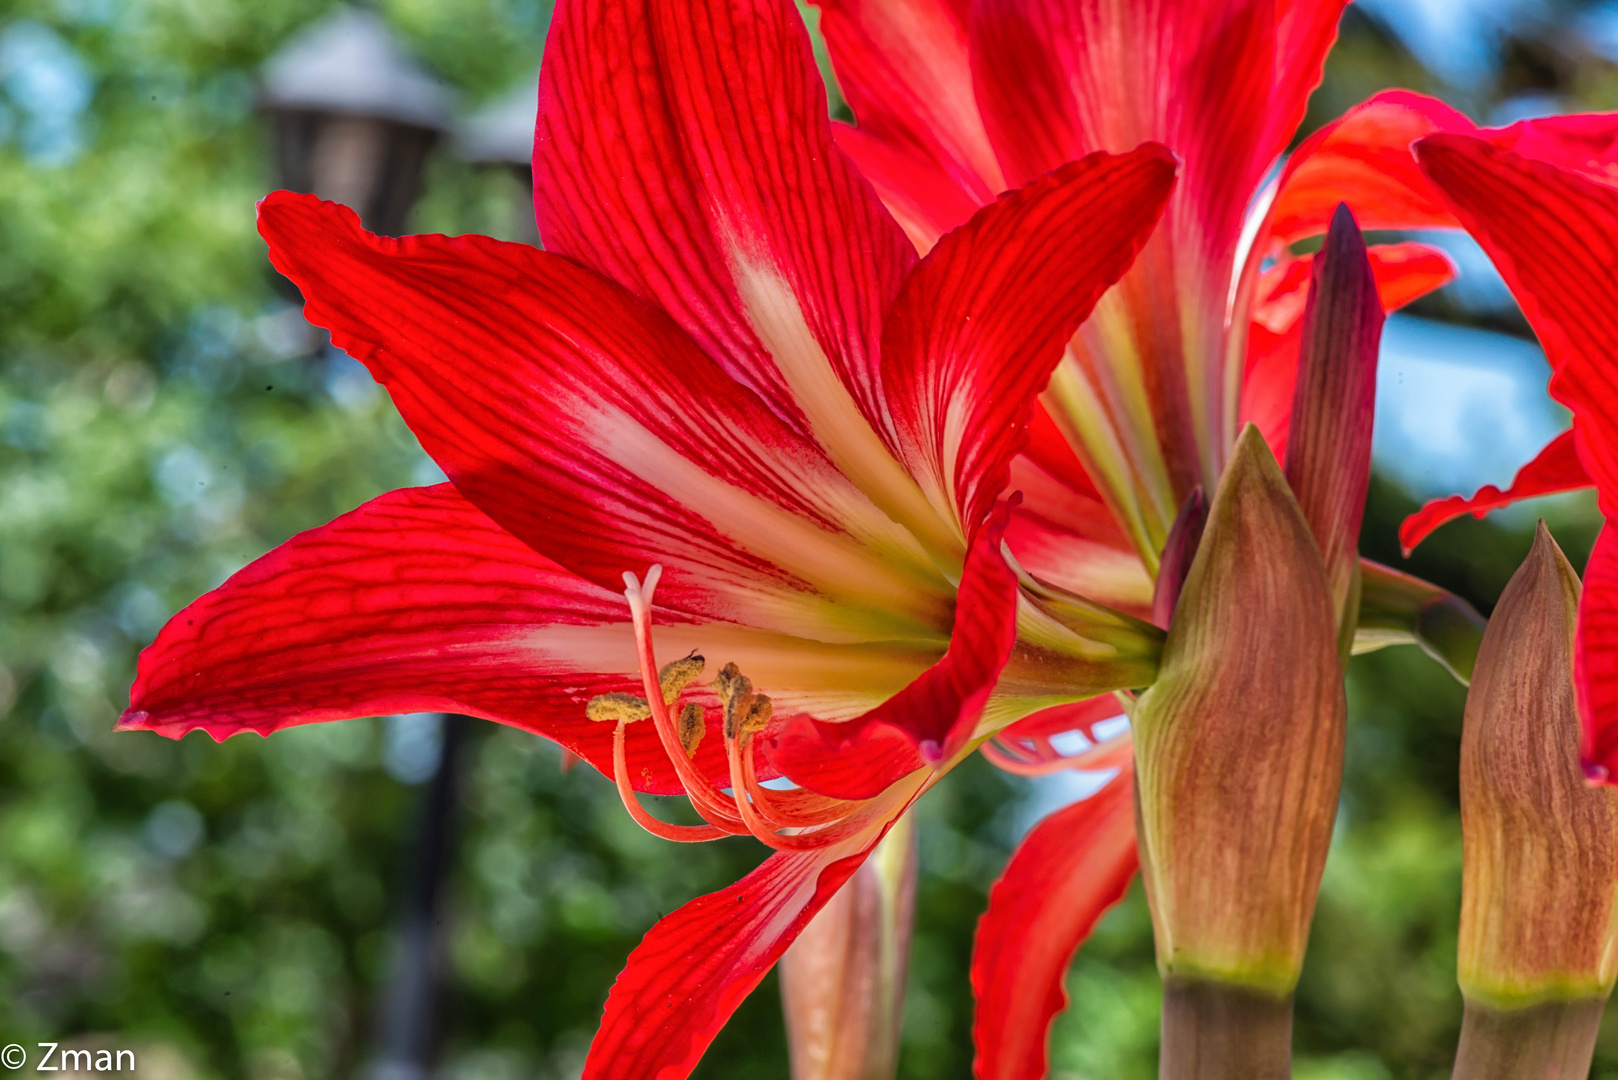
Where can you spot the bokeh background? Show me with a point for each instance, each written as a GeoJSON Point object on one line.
{"type": "Point", "coordinates": [166, 416]}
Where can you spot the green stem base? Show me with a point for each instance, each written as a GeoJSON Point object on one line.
{"type": "Point", "coordinates": [1215, 1031]}
{"type": "Point", "coordinates": [1553, 1041]}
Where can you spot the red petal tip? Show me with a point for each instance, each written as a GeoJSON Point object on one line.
{"type": "Point", "coordinates": [133, 720]}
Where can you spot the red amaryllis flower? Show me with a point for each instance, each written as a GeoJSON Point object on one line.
{"type": "Point", "coordinates": [1541, 197]}
{"type": "Point", "coordinates": [729, 366]}
{"type": "Point", "coordinates": [957, 101]}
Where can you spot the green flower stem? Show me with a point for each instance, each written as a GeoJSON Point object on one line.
{"type": "Point", "coordinates": [1555, 1039]}
{"type": "Point", "coordinates": [1219, 1031]}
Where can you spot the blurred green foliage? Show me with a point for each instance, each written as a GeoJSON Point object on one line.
{"type": "Point", "coordinates": [166, 416]}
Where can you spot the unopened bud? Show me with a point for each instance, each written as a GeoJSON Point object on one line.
{"type": "Point", "coordinates": [843, 979]}
{"type": "Point", "coordinates": [1329, 442]}
{"type": "Point", "coordinates": [1541, 845]}
{"type": "Point", "coordinates": [1239, 744]}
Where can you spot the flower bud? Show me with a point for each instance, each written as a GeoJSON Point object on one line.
{"type": "Point", "coordinates": [843, 979]}
{"type": "Point", "coordinates": [1239, 743]}
{"type": "Point", "coordinates": [1541, 846]}
{"type": "Point", "coordinates": [1329, 444]}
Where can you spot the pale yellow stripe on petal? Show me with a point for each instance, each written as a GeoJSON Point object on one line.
{"type": "Point", "coordinates": [1111, 429]}
{"type": "Point", "coordinates": [889, 596]}
{"type": "Point", "coordinates": [836, 420]}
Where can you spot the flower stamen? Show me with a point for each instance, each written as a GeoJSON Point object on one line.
{"type": "Point", "coordinates": [708, 800]}
{"type": "Point", "coordinates": [793, 820]}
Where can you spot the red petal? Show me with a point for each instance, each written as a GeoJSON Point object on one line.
{"type": "Point", "coordinates": [684, 150]}
{"type": "Point", "coordinates": [1596, 662]}
{"type": "Point", "coordinates": [1077, 716]}
{"type": "Point", "coordinates": [1073, 867]}
{"type": "Point", "coordinates": [1271, 376]}
{"type": "Point", "coordinates": [415, 602]}
{"type": "Point", "coordinates": [1063, 533]}
{"type": "Point", "coordinates": [903, 66]}
{"type": "Point", "coordinates": [1585, 143]}
{"type": "Point", "coordinates": [1555, 468]}
{"type": "Point", "coordinates": [923, 199]}
{"type": "Point", "coordinates": [695, 966]}
{"type": "Point", "coordinates": [1057, 553]}
{"type": "Point", "coordinates": [1305, 32]}
{"type": "Point", "coordinates": [1058, 79]}
{"type": "Point", "coordinates": [1404, 272]}
{"type": "Point", "coordinates": [1553, 234]}
{"type": "Point", "coordinates": [983, 321]}
{"type": "Point", "coordinates": [1061, 78]}
{"type": "Point", "coordinates": [928, 721]}
{"type": "Point", "coordinates": [588, 425]}
{"type": "Point", "coordinates": [1363, 158]}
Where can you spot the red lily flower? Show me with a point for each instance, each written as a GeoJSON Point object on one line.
{"type": "Point", "coordinates": [729, 365]}
{"type": "Point", "coordinates": [956, 101]}
{"type": "Point", "coordinates": [1541, 197]}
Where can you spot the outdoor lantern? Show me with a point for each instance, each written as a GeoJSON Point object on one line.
{"type": "Point", "coordinates": [501, 134]}
{"type": "Point", "coordinates": [354, 116]}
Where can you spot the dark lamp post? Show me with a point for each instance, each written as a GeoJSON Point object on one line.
{"type": "Point", "coordinates": [354, 116]}
{"type": "Point", "coordinates": [501, 134]}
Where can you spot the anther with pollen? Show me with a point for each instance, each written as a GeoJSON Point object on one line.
{"type": "Point", "coordinates": [746, 712]}
{"type": "Point", "coordinates": [672, 679]}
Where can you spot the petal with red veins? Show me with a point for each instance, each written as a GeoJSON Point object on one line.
{"type": "Point", "coordinates": [1584, 143]}
{"type": "Point", "coordinates": [903, 66]}
{"type": "Point", "coordinates": [1075, 865]}
{"type": "Point", "coordinates": [1143, 394]}
{"type": "Point", "coordinates": [1363, 158]}
{"type": "Point", "coordinates": [683, 150]}
{"type": "Point", "coordinates": [1555, 468]}
{"type": "Point", "coordinates": [418, 602]}
{"type": "Point", "coordinates": [928, 721]}
{"type": "Point", "coordinates": [922, 198]}
{"type": "Point", "coordinates": [589, 425]}
{"type": "Point", "coordinates": [415, 602]}
{"type": "Point", "coordinates": [1063, 533]}
{"type": "Point", "coordinates": [1596, 661]}
{"type": "Point", "coordinates": [1305, 31]}
{"type": "Point", "coordinates": [1553, 235]}
{"type": "Point", "coordinates": [696, 965]}
{"type": "Point", "coordinates": [980, 325]}
{"type": "Point", "coordinates": [1056, 553]}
